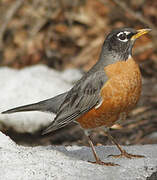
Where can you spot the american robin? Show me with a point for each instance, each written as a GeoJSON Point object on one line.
{"type": "Point", "coordinates": [105, 94]}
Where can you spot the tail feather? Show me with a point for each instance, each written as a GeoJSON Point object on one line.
{"type": "Point", "coordinates": [48, 105]}
{"type": "Point", "coordinates": [30, 107]}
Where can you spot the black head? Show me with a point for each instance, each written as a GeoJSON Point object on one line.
{"type": "Point", "coordinates": [119, 42]}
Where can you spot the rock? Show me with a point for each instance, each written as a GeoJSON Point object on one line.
{"type": "Point", "coordinates": [30, 85]}
{"type": "Point", "coordinates": [69, 163]}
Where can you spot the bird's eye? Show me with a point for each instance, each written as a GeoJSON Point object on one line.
{"type": "Point", "coordinates": [122, 37]}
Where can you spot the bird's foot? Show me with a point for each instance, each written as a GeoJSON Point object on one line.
{"type": "Point", "coordinates": [126, 155]}
{"type": "Point", "coordinates": [104, 163]}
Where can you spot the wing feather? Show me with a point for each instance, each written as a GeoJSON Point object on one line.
{"type": "Point", "coordinates": [80, 99]}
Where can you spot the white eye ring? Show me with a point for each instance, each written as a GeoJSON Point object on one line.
{"type": "Point", "coordinates": [121, 33]}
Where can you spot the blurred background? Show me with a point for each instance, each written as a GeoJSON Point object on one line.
{"type": "Point", "coordinates": [66, 34]}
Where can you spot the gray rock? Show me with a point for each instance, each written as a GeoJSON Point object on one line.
{"type": "Point", "coordinates": [70, 163]}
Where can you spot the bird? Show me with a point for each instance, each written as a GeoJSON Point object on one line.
{"type": "Point", "coordinates": [103, 96]}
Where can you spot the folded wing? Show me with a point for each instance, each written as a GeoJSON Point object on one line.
{"type": "Point", "coordinates": [80, 99]}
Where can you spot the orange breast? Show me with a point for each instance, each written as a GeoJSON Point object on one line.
{"type": "Point", "coordinates": [120, 94]}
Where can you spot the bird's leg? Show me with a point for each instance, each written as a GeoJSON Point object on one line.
{"type": "Point", "coordinates": [97, 159]}
{"type": "Point", "coordinates": [123, 152]}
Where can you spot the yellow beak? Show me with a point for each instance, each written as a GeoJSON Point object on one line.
{"type": "Point", "coordinates": [140, 32]}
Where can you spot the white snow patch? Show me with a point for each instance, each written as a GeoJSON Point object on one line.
{"type": "Point", "coordinates": [30, 85]}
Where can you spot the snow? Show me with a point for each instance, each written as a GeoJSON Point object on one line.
{"type": "Point", "coordinates": [30, 85]}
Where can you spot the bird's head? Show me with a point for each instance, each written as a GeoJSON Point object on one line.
{"type": "Point", "coordinates": [119, 42]}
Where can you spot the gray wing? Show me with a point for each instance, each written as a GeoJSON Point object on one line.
{"type": "Point", "coordinates": [80, 99]}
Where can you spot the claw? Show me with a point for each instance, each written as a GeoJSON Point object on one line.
{"type": "Point", "coordinates": [126, 155]}
{"type": "Point", "coordinates": [104, 163]}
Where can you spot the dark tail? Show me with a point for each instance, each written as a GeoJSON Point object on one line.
{"type": "Point", "coordinates": [48, 105]}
